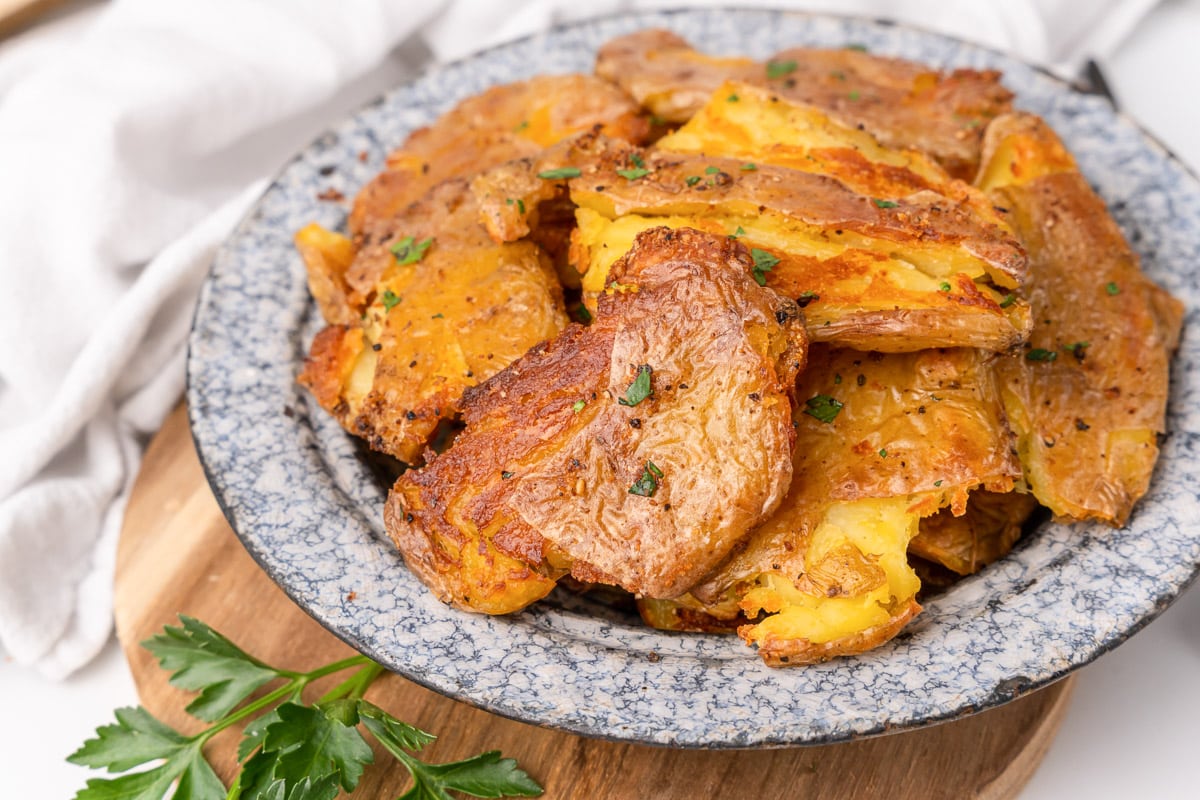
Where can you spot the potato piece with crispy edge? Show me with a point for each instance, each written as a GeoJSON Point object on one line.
{"type": "Point", "coordinates": [502, 123]}
{"type": "Point", "coordinates": [894, 275]}
{"type": "Point", "coordinates": [637, 451]}
{"type": "Point", "coordinates": [882, 440]}
{"type": "Point", "coordinates": [327, 257]}
{"type": "Point", "coordinates": [985, 533]}
{"type": "Point", "coordinates": [1087, 397]}
{"type": "Point", "coordinates": [902, 103]}
{"type": "Point", "coordinates": [464, 309]}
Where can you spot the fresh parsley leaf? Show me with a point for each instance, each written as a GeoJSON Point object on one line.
{"type": "Point", "coordinates": [823, 407]}
{"type": "Point", "coordinates": [710, 170]}
{"type": "Point", "coordinates": [137, 738]}
{"type": "Point", "coordinates": [1008, 300]}
{"type": "Point", "coordinates": [862, 48]}
{"type": "Point", "coordinates": [579, 405]}
{"type": "Point", "coordinates": [944, 286]}
{"type": "Point", "coordinates": [647, 484]}
{"type": "Point", "coordinates": [1112, 288]}
{"type": "Point", "coordinates": [197, 781]}
{"type": "Point", "coordinates": [733, 98]}
{"type": "Point", "coordinates": [640, 389]}
{"type": "Point", "coordinates": [739, 233]}
{"type": "Point", "coordinates": [636, 158]}
{"type": "Point", "coordinates": [633, 174]}
{"type": "Point", "coordinates": [410, 251]}
{"type": "Point", "coordinates": [884, 203]}
{"type": "Point", "coordinates": [391, 731]}
{"type": "Point", "coordinates": [505, 475]}
{"type": "Point", "coordinates": [203, 660]}
{"type": "Point", "coordinates": [692, 180]}
{"type": "Point", "coordinates": [853, 96]}
{"type": "Point", "coordinates": [749, 166]}
{"type": "Point", "coordinates": [764, 262]}
{"type": "Point", "coordinates": [1041, 354]}
{"type": "Point", "coordinates": [883, 452]}
{"type": "Point", "coordinates": [777, 69]}
{"type": "Point", "coordinates": [807, 297]}
{"type": "Point", "coordinates": [312, 744]}
{"type": "Point", "coordinates": [583, 315]}
{"type": "Point", "coordinates": [390, 299]}
{"type": "Point", "coordinates": [560, 173]}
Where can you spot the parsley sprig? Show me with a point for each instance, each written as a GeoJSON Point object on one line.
{"type": "Point", "coordinates": [290, 750]}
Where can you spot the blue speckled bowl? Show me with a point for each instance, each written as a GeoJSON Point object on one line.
{"type": "Point", "coordinates": [308, 507]}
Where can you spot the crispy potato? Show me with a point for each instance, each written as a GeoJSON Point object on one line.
{"type": "Point", "coordinates": [637, 451]}
{"type": "Point", "coordinates": [985, 533]}
{"type": "Point", "coordinates": [902, 103]}
{"type": "Point", "coordinates": [464, 311]}
{"type": "Point", "coordinates": [487, 129]}
{"type": "Point", "coordinates": [327, 258]}
{"type": "Point", "coordinates": [914, 433]}
{"type": "Point", "coordinates": [1087, 397]}
{"type": "Point", "coordinates": [894, 275]}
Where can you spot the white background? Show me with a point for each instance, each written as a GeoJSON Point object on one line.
{"type": "Point", "coordinates": [1133, 728]}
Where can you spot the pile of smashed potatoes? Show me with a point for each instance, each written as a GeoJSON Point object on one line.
{"type": "Point", "coordinates": [764, 344]}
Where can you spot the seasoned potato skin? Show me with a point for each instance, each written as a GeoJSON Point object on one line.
{"type": "Point", "coordinates": [549, 454]}
{"type": "Point", "coordinates": [902, 103]}
{"type": "Point", "coordinates": [916, 432]}
{"type": "Point", "coordinates": [462, 313]}
{"type": "Point", "coordinates": [1087, 416]}
{"type": "Point", "coordinates": [985, 533]}
{"type": "Point", "coordinates": [487, 129]}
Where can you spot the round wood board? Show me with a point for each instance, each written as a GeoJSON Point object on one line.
{"type": "Point", "coordinates": [177, 555]}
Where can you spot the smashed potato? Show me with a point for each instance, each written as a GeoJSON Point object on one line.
{"type": "Point", "coordinates": [637, 451]}
{"type": "Point", "coordinates": [685, 443]}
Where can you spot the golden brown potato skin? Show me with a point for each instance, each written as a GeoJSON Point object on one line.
{"type": "Point", "coordinates": [902, 103]}
{"type": "Point", "coordinates": [985, 533]}
{"type": "Point", "coordinates": [1087, 397]}
{"type": "Point", "coordinates": [928, 425]}
{"type": "Point", "coordinates": [487, 129]}
{"type": "Point", "coordinates": [462, 313]}
{"type": "Point", "coordinates": [549, 455]}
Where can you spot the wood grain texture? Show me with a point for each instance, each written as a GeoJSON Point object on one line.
{"type": "Point", "coordinates": [178, 555]}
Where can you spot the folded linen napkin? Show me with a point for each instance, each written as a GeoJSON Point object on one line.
{"type": "Point", "coordinates": [127, 153]}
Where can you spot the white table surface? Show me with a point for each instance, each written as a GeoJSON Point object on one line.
{"type": "Point", "coordinates": [1133, 728]}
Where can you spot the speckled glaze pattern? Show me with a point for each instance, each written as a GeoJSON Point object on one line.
{"type": "Point", "coordinates": [308, 507]}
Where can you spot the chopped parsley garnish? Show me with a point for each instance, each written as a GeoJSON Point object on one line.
{"type": "Point", "coordinates": [822, 407]}
{"type": "Point", "coordinates": [1112, 288]}
{"type": "Point", "coordinates": [524, 124]}
{"type": "Point", "coordinates": [506, 474]}
{"type": "Point", "coordinates": [583, 315]}
{"type": "Point", "coordinates": [764, 262]}
{"type": "Point", "coordinates": [943, 286]}
{"type": "Point", "coordinates": [390, 300]}
{"type": "Point", "coordinates": [749, 166]}
{"type": "Point", "coordinates": [711, 170]}
{"type": "Point", "coordinates": [1076, 347]}
{"type": "Point", "coordinates": [438, 315]}
{"type": "Point", "coordinates": [884, 203]}
{"type": "Point", "coordinates": [578, 405]}
{"type": "Point", "coordinates": [807, 297]}
{"type": "Point", "coordinates": [1008, 300]}
{"type": "Point", "coordinates": [519, 202]}
{"type": "Point", "coordinates": [633, 174]}
{"type": "Point", "coordinates": [838, 75]}
{"type": "Point", "coordinates": [937, 483]}
{"type": "Point", "coordinates": [883, 452]}
{"type": "Point", "coordinates": [853, 96]}
{"type": "Point", "coordinates": [637, 160]}
{"type": "Point", "coordinates": [1041, 354]}
{"type": "Point", "coordinates": [657, 121]}
{"type": "Point", "coordinates": [560, 173]}
{"type": "Point", "coordinates": [777, 69]}
{"type": "Point", "coordinates": [733, 98]}
{"type": "Point", "coordinates": [410, 251]}
{"type": "Point", "coordinates": [740, 232]}
{"type": "Point", "coordinates": [640, 389]}
{"type": "Point", "coordinates": [862, 48]}
{"type": "Point", "coordinates": [647, 485]}
{"type": "Point", "coordinates": [692, 180]}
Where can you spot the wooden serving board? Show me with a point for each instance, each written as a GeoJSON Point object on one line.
{"type": "Point", "coordinates": [178, 555]}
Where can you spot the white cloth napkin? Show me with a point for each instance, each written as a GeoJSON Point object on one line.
{"type": "Point", "coordinates": [130, 148]}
